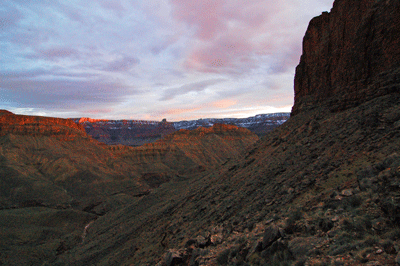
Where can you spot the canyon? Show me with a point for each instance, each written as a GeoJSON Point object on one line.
{"type": "Point", "coordinates": [139, 132]}
{"type": "Point", "coordinates": [320, 189]}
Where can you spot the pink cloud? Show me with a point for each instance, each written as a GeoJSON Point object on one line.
{"type": "Point", "coordinates": [113, 5]}
{"type": "Point", "coordinates": [224, 52]}
{"type": "Point", "coordinates": [179, 111]}
{"type": "Point", "coordinates": [171, 114]}
{"type": "Point", "coordinates": [206, 15]}
{"type": "Point", "coordinates": [99, 111]}
{"type": "Point", "coordinates": [228, 34]}
{"type": "Point", "coordinates": [224, 103]}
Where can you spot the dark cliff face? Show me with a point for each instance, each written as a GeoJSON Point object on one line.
{"type": "Point", "coordinates": [350, 55]}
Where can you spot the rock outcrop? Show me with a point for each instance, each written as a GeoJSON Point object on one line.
{"type": "Point", "coordinates": [36, 125]}
{"type": "Point", "coordinates": [350, 55]}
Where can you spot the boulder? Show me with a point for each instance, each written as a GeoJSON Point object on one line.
{"type": "Point", "coordinates": [271, 234]}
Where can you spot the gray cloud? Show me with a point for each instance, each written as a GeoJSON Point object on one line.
{"type": "Point", "coordinates": [54, 53]}
{"type": "Point", "coordinates": [123, 64]}
{"type": "Point", "coordinates": [169, 94]}
{"type": "Point", "coordinates": [31, 90]}
{"type": "Point", "coordinates": [9, 18]}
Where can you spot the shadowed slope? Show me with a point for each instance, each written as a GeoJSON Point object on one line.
{"type": "Point", "coordinates": [291, 178]}
{"type": "Point", "coordinates": [50, 168]}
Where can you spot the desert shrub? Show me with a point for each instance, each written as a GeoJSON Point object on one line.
{"type": "Point", "coordinates": [256, 259]}
{"type": "Point", "coordinates": [223, 257]}
{"type": "Point", "coordinates": [391, 161]}
{"type": "Point", "coordinates": [332, 204]}
{"type": "Point", "coordinates": [236, 253]}
{"type": "Point", "coordinates": [343, 238]}
{"type": "Point", "coordinates": [346, 243]}
{"type": "Point", "coordinates": [291, 223]}
{"type": "Point", "coordinates": [367, 251]}
{"type": "Point", "coordinates": [370, 241]}
{"type": "Point", "coordinates": [325, 224]}
{"type": "Point", "coordinates": [360, 225]}
{"type": "Point", "coordinates": [366, 172]}
{"type": "Point", "coordinates": [393, 234]}
{"type": "Point", "coordinates": [301, 262]}
{"type": "Point", "coordinates": [282, 258]}
{"type": "Point", "coordinates": [337, 250]}
{"type": "Point", "coordinates": [389, 246]}
{"type": "Point", "coordinates": [354, 201]}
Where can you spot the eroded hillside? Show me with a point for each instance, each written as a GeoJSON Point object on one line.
{"type": "Point", "coordinates": [55, 179]}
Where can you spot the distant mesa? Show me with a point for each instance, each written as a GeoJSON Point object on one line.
{"type": "Point", "coordinates": [90, 120]}
{"type": "Point", "coordinates": [139, 132]}
{"type": "Point", "coordinates": [5, 112]}
{"type": "Point", "coordinates": [37, 125]}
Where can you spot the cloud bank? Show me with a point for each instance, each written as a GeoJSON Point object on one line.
{"type": "Point", "coordinates": [174, 59]}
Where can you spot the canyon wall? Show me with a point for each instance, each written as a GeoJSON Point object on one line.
{"type": "Point", "coordinates": [350, 55]}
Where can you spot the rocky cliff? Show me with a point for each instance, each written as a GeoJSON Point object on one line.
{"type": "Point", "coordinates": [350, 55]}
{"type": "Point", "coordinates": [36, 125]}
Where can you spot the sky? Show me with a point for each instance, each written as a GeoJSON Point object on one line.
{"type": "Point", "coordinates": [151, 59]}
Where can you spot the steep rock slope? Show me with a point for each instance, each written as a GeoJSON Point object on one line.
{"type": "Point", "coordinates": [350, 55]}
{"type": "Point", "coordinates": [320, 190]}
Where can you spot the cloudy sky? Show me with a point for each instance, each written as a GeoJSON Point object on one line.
{"type": "Point", "coordinates": [151, 59]}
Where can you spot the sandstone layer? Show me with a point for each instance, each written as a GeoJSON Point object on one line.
{"type": "Point", "coordinates": [36, 125]}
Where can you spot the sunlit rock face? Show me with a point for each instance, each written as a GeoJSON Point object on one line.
{"type": "Point", "coordinates": [350, 55]}
{"type": "Point", "coordinates": [36, 125]}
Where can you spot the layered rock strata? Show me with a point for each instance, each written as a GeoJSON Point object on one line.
{"type": "Point", "coordinates": [350, 55]}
